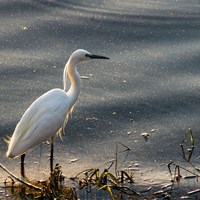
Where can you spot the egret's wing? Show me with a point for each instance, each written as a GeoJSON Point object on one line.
{"type": "Point", "coordinates": [41, 120]}
{"type": "Point", "coordinates": [49, 114]}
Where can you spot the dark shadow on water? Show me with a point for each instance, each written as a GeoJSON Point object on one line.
{"type": "Point", "coordinates": [73, 29]}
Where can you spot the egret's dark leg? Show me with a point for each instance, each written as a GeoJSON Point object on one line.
{"type": "Point", "coordinates": [22, 167]}
{"type": "Point", "coordinates": [51, 155]}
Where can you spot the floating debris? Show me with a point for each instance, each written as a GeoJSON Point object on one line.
{"type": "Point", "coordinates": [136, 165]}
{"type": "Point", "coordinates": [145, 135]}
{"type": "Point", "coordinates": [160, 194]}
{"type": "Point", "coordinates": [190, 177]}
{"type": "Point", "coordinates": [146, 190]}
{"type": "Point", "coordinates": [24, 28]}
{"type": "Point", "coordinates": [193, 192]}
{"type": "Point", "coordinates": [153, 130]}
{"type": "Point", "coordinates": [91, 118]}
{"type": "Point", "coordinates": [186, 197]}
{"type": "Point", "coordinates": [131, 169]}
{"type": "Point", "coordinates": [73, 160]}
{"type": "Point", "coordinates": [84, 77]}
{"type": "Point", "coordinates": [166, 186]}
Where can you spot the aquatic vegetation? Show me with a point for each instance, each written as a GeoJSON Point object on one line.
{"type": "Point", "coordinates": [53, 188]}
{"type": "Point", "coordinates": [94, 181]}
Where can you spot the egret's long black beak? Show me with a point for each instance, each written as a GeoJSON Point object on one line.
{"type": "Point", "coordinates": [92, 56]}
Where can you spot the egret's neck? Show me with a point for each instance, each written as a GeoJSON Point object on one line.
{"type": "Point", "coordinates": [70, 70]}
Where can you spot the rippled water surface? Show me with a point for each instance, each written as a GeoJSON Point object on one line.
{"type": "Point", "coordinates": [151, 81]}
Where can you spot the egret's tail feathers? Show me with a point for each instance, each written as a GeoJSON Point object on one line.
{"type": "Point", "coordinates": [9, 152]}
{"type": "Point", "coordinates": [7, 140]}
{"type": "Point", "coordinates": [59, 133]}
{"type": "Point", "coordinates": [9, 155]}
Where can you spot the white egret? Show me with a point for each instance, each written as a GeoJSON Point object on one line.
{"type": "Point", "coordinates": [48, 114]}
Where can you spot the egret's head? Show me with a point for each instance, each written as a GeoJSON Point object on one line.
{"type": "Point", "coordinates": [80, 55]}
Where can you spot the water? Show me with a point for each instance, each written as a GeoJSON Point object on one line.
{"type": "Point", "coordinates": [151, 81]}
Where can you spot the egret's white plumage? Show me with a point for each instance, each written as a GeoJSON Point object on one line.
{"type": "Point", "coordinates": [48, 114]}
{"type": "Point", "coordinates": [40, 121]}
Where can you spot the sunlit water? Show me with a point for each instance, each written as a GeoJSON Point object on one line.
{"type": "Point", "coordinates": [150, 83]}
